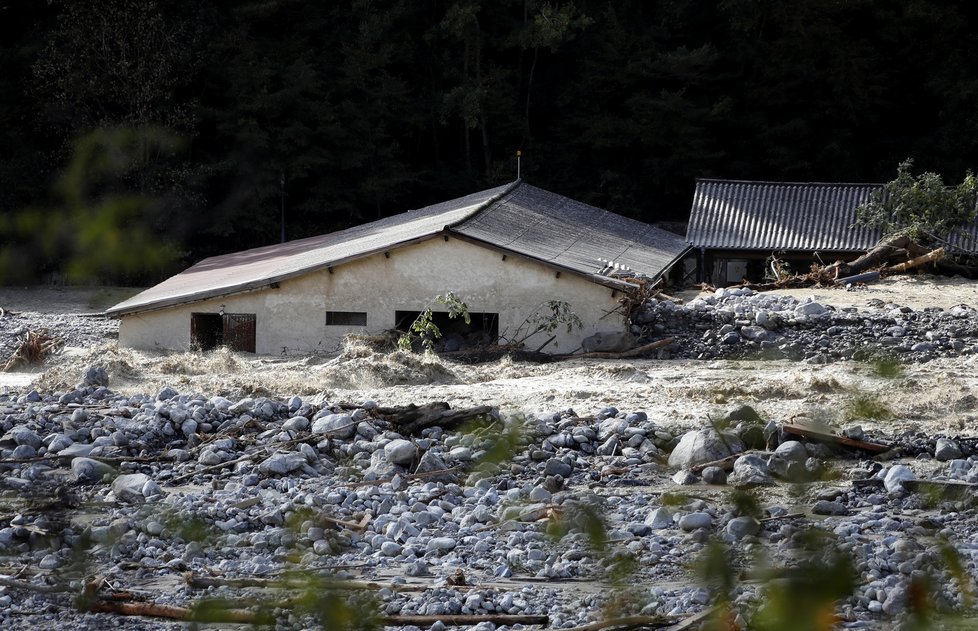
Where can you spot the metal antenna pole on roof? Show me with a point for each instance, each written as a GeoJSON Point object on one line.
{"type": "Point", "coordinates": [519, 154]}
{"type": "Point", "coordinates": [281, 183]}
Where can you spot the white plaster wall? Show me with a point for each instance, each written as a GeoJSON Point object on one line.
{"type": "Point", "coordinates": [292, 318]}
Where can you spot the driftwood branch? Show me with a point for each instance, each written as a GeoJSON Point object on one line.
{"type": "Point", "coordinates": [221, 465]}
{"type": "Point", "coordinates": [413, 419]}
{"type": "Point", "coordinates": [33, 348]}
{"type": "Point", "coordinates": [155, 610]}
{"type": "Point", "coordinates": [766, 520]}
{"type": "Point", "coordinates": [32, 587]}
{"type": "Point", "coordinates": [934, 255]}
{"type": "Point", "coordinates": [244, 616]}
{"type": "Point", "coordinates": [624, 622]}
{"type": "Point", "coordinates": [727, 463]}
{"type": "Point", "coordinates": [460, 620]}
{"type": "Point", "coordinates": [406, 476]}
{"type": "Point", "coordinates": [634, 352]}
{"type": "Point", "coordinates": [826, 437]}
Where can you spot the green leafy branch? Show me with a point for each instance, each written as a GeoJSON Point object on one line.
{"type": "Point", "coordinates": [424, 328]}
{"type": "Point", "coordinates": [546, 318]}
{"type": "Point", "coordinates": [920, 204]}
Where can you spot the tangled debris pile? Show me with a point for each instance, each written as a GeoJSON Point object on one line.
{"type": "Point", "coordinates": [739, 322]}
{"type": "Point", "coordinates": [26, 337]}
{"type": "Point", "coordinates": [428, 523]}
{"type": "Point", "coordinates": [34, 348]}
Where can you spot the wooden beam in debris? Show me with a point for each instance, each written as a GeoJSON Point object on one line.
{"type": "Point", "coordinates": [635, 352]}
{"type": "Point", "coordinates": [933, 255]}
{"type": "Point", "coordinates": [412, 419]}
{"type": "Point", "coordinates": [827, 437]}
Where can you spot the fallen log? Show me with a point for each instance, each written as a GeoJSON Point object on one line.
{"type": "Point", "coordinates": [767, 520]}
{"type": "Point", "coordinates": [220, 465]}
{"type": "Point", "coordinates": [154, 610]}
{"type": "Point", "coordinates": [624, 622]}
{"type": "Point", "coordinates": [461, 620]}
{"type": "Point", "coordinates": [413, 419]}
{"type": "Point", "coordinates": [934, 255]}
{"type": "Point", "coordinates": [727, 463]}
{"type": "Point", "coordinates": [635, 352]}
{"type": "Point", "coordinates": [408, 476]}
{"type": "Point", "coordinates": [693, 621]}
{"type": "Point", "coordinates": [876, 257]}
{"type": "Point", "coordinates": [32, 587]}
{"type": "Point", "coordinates": [826, 437]}
{"type": "Point", "coordinates": [240, 615]}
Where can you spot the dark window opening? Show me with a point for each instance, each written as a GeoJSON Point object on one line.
{"type": "Point", "coordinates": [455, 333]}
{"type": "Point", "coordinates": [234, 330]}
{"type": "Point", "coordinates": [346, 318]}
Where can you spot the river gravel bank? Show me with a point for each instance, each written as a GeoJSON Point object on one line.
{"type": "Point", "coordinates": [282, 464]}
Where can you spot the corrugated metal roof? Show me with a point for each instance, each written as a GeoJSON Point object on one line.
{"type": "Point", "coordinates": [516, 217]}
{"type": "Point", "coordinates": [569, 234]}
{"type": "Point", "coordinates": [806, 216]}
{"type": "Point", "coordinates": [739, 215]}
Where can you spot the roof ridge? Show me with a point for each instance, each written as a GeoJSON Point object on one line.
{"type": "Point", "coordinates": [485, 205]}
{"type": "Point", "coordinates": [791, 183]}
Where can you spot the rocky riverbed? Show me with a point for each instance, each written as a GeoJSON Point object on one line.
{"type": "Point", "coordinates": [577, 495]}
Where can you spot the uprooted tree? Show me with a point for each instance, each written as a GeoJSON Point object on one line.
{"type": "Point", "coordinates": [921, 206]}
{"type": "Point", "coordinates": [916, 214]}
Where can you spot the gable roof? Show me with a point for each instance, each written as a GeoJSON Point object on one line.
{"type": "Point", "coordinates": [772, 216]}
{"type": "Point", "coordinates": [516, 218]}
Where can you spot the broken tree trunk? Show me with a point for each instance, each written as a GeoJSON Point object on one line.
{"type": "Point", "coordinates": [412, 419]}
{"type": "Point", "coordinates": [886, 249]}
{"type": "Point", "coordinates": [155, 610]}
{"type": "Point", "coordinates": [826, 437]}
{"type": "Point", "coordinates": [635, 352]}
{"type": "Point", "coordinates": [934, 255]}
{"type": "Point", "coordinates": [624, 622]}
{"type": "Point", "coordinates": [459, 620]}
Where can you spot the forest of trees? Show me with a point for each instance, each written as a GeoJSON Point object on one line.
{"type": "Point", "coordinates": [190, 124]}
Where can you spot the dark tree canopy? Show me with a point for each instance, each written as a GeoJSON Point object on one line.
{"type": "Point", "coordinates": [343, 112]}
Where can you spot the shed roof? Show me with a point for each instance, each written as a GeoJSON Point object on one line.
{"type": "Point", "coordinates": [741, 215]}
{"type": "Point", "coordinates": [772, 216]}
{"type": "Point", "coordinates": [516, 218]}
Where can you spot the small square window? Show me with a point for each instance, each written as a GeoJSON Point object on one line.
{"type": "Point", "coordinates": [346, 318]}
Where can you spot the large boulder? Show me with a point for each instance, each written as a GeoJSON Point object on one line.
{"type": "Point", "coordinates": [129, 487]}
{"type": "Point", "coordinates": [607, 342]}
{"type": "Point", "coordinates": [896, 476]}
{"type": "Point", "coordinates": [89, 471]}
{"type": "Point", "coordinates": [705, 445]}
{"type": "Point", "coordinates": [340, 426]}
{"type": "Point", "coordinates": [749, 471]}
{"type": "Point", "coordinates": [400, 451]}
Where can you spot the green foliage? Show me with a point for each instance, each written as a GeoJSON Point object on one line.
{"type": "Point", "coordinates": [811, 590]}
{"type": "Point", "coordinates": [715, 571]}
{"type": "Point", "coordinates": [100, 228]}
{"type": "Point", "coordinates": [583, 518]}
{"type": "Point", "coordinates": [502, 445]}
{"type": "Point", "coordinates": [547, 317]}
{"type": "Point", "coordinates": [424, 329]}
{"type": "Point", "coordinates": [744, 502]}
{"type": "Point", "coordinates": [866, 406]}
{"type": "Point", "coordinates": [920, 203]}
{"type": "Point", "coordinates": [887, 366]}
